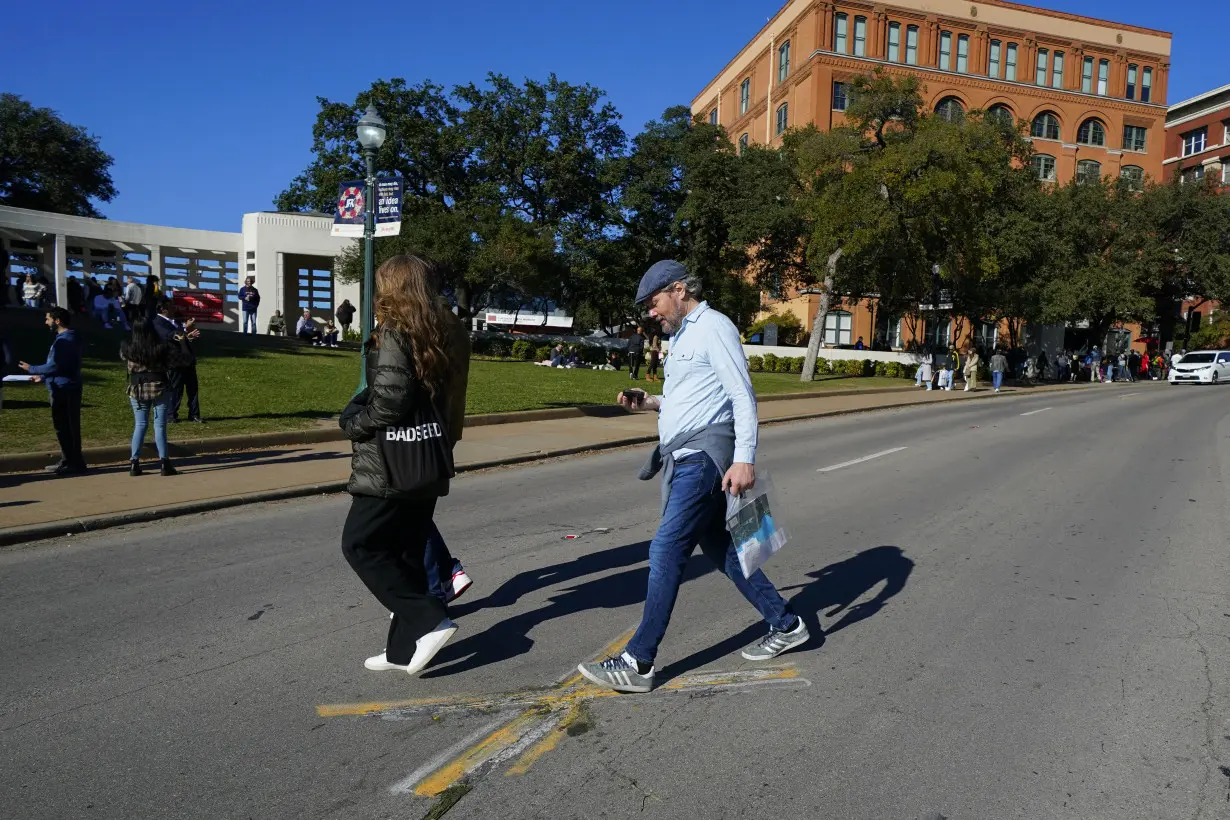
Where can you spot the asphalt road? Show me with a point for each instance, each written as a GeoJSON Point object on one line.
{"type": "Point", "coordinates": [1026, 612]}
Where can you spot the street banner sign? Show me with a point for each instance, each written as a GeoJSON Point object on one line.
{"type": "Point", "coordinates": [388, 206]}
{"type": "Point", "coordinates": [348, 215]}
{"type": "Point", "coordinates": [202, 305]}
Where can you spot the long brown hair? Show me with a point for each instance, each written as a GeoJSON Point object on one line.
{"type": "Point", "coordinates": [408, 302]}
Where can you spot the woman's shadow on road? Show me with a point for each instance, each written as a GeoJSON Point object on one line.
{"type": "Point", "coordinates": [837, 588]}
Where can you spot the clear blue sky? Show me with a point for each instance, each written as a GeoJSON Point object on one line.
{"type": "Point", "coordinates": [208, 107]}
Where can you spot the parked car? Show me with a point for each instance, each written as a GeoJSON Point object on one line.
{"type": "Point", "coordinates": [1202, 367]}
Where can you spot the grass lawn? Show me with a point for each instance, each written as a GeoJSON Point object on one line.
{"type": "Point", "coordinates": [251, 386]}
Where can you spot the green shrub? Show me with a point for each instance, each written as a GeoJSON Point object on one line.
{"type": "Point", "coordinates": [909, 371]}
{"type": "Point", "coordinates": [755, 363]}
{"type": "Point", "coordinates": [770, 362]}
{"type": "Point", "coordinates": [500, 348]}
{"type": "Point", "coordinates": [543, 353]}
{"type": "Point", "coordinates": [480, 345]}
{"type": "Point", "coordinates": [893, 370]}
{"type": "Point", "coordinates": [824, 367]}
{"type": "Point", "coordinates": [796, 364]}
{"type": "Point", "coordinates": [523, 349]}
{"type": "Point", "coordinates": [881, 368]}
{"type": "Point", "coordinates": [783, 364]}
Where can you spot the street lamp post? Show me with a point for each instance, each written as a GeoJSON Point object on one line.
{"type": "Point", "coordinates": [371, 133]}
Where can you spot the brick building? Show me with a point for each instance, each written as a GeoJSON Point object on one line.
{"type": "Point", "coordinates": [1197, 142]}
{"type": "Point", "coordinates": [1093, 94]}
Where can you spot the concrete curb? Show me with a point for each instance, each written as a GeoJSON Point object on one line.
{"type": "Point", "coordinates": [76, 526]}
{"type": "Point", "coordinates": [118, 454]}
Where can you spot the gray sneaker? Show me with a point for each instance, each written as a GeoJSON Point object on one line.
{"type": "Point", "coordinates": [777, 642]}
{"type": "Point", "coordinates": [618, 673]}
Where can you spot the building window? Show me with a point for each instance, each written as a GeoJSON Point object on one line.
{"type": "Point", "coordinates": [950, 110]}
{"type": "Point", "coordinates": [985, 336]}
{"type": "Point", "coordinates": [1133, 176]}
{"type": "Point", "coordinates": [1193, 174]}
{"type": "Point", "coordinates": [911, 45]}
{"type": "Point", "coordinates": [1040, 76]}
{"type": "Point", "coordinates": [1010, 63]}
{"type": "Point", "coordinates": [1001, 114]}
{"type": "Point", "coordinates": [1088, 171]}
{"type": "Point", "coordinates": [840, 100]}
{"type": "Point", "coordinates": [1087, 75]}
{"type": "Point", "coordinates": [1057, 70]}
{"type": "Point", "coordinates": [782, 116]}
{"type": "Point", "coordinates": [894, 42]}
{"type": "Point", "coordinates": [783, 62]}
{"type": "Point", "coordinates": [1134, 138]}
{"type": "Point", "coordinates": [745, 95]}
{"type": "Point", "coordinates": [937, 334]}
{"type": "Point", "coordinates": [1131, 83]}
{"type": "Point", "coordinates": [742, 143]}
{"type": "Point", "coordinates": [1194, 141]}
{"type": "Point", "coordinates": [1044, 167]}
{"type": "Point", "coordinates": [1091, 132]}
{"type": "Point", "coordinates": [1225, 172]}
{"type": "Point", "coordinates": [839, 33]}
{"type": "Point", "coordinates": [713, 117]}
{"type": "Point", "coordinates": [945, 50]}
{"type": "Point", "coordinates": [1046, 126]}
{"type": "Point", "coordinates": [860, 36]}
{"type": "Point", "coordinates": [1146, 84]}
{"type": "Point", "coordinates": [837, 327]}
{"type": "Point", "coordinates": [993, 64]}
{"type": "Point", "coordinates": [1103, 76]}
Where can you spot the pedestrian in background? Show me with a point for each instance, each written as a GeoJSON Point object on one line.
{"type": "Point", "coordinates": [148, 358]}
{"type": "Point", "coordinates": [132, 300]}
{"type": "Point", "coordinates": [655, 359]}
{"type": "Point", "coordinates": [277, 324]}
{"type": "Point", "coordinates": [971, 369]}
{"type": "Point", "coordinates": [345, 316]}
{"type": "Point", "coordinates": [636, 353]}
{"type": "Point", "coordinates": [384, 539]}
{"type": "Point", "coordinates": [923, 377]}
{"type": "Point", "coordinates": [151, 298]}
{"type": "Point", "coordinates": [707, 427]}
{"type": "Point", "coordinates": [32, 292]}
{"type": "Point", "coordinates": [999, 366]}
{"type": "Point", "coordinates": [249, 302]}
{"type": "Point", "coordinates": [62, 375]}
{"type": "Point", "coordinates": [181, 374]}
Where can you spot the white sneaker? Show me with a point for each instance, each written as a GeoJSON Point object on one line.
{"type": "Point", "coordinates": [461, 582]}
{"type": "Point", "coordinates": [427, 646]}
{"type": "Point", "coordinates": [379, 663]}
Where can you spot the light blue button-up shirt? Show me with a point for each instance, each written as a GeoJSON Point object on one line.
{"type": "Point", "coordinates": [707, 382]}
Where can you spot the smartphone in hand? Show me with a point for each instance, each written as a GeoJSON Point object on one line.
{"type": "Point", "coordinates": [634, 396]}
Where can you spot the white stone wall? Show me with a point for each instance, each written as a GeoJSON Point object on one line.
{"type": "Point", "coordinates": [267, 238]}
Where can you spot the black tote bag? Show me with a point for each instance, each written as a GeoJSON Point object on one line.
{"type": "Point", "coordinates": [417, 453]}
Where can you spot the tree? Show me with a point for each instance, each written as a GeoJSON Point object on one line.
{"type": "Point", "coordinates": [47, 164]}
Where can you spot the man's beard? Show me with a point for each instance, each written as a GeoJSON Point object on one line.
{"type": "Point", "coordinates": [671, 324]}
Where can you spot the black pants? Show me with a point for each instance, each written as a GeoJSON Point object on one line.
{"type": "Point", "coordinates": [66, 418]}
{"type": "Point", "coordinates": [184, 379]}
{"type": "Point", "coordinates": [312, 336]}
{"type": "Point", "coordinates": [635, 357]}
{"type": "Point", "coordinates": [384, 542]}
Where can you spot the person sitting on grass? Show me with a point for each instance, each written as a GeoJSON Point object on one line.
{"type": "Point", "coordinates": [330, 335]}
{"type": "Point", "coordinates": [556, 360]}
{"type": "Point", "coordinates": [277, 324]}
{"type": "Point", "coordinates": [307, 330]}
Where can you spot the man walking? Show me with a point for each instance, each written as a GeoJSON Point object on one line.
{"type": "Point", "coordinates": [62, 375]}
{"type": "Point", "coordinates": [707, 429]}
{"type": "Point", "coordinates": [182, 375]}
{"type": "Point", "coordinates": [132, 300]}
{"type": "Point", "coordinates": [345, 316]}
{"type": "Point", "coordinates": [999, 365]}
{"type": "Point", "coordinates": [636, 353]}
{"type": "Point", "coordinates": [249, 301]}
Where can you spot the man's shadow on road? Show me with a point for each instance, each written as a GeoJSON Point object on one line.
{"type": "Point", "coordinates": [836, 588]}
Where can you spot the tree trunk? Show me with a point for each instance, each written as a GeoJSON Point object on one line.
{"type": "Point", "coordinates": [817, 326]}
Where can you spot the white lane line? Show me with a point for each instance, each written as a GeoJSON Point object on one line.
{"type": "Point", "coordinates": [1031, 412]}
{"type": "Point", "coordinates": [860, 460]}
{"type": "Point", "coordinates": [1128, 395]}
{"type": "Point", "coordinates": [406, 784]}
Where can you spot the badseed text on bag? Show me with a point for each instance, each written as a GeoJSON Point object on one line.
{"type": "Point", "coordinates": [420, 432]}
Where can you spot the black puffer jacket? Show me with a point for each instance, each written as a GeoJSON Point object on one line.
{"type": "Point", "coordinates": [392, 389]}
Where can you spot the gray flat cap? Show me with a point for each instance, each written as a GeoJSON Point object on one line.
{"type": "Point", "coordinates": [659, 275]}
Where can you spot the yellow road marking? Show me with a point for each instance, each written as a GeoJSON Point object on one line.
{"type": "Point", "coordinates": [549, 742]}
{"type": "Point", "coordinates": [476, 755]}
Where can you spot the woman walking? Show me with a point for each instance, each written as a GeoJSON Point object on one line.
{"type": "Point", "coordinates": [390, 519]}
{"type": "Point", "coordinates": [148, 358]}
{"type": "Point", "coordinates": [655, 359]}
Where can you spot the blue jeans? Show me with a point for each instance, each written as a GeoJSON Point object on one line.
{"type": "Point", "coordinates": [249, 320]}
{"type": "Point", "coordinates": [31, 303]}
{"type": "Point", "coordinates": [439, 564]}
{"type": "Point", "coordinates": [1110, 372]}
{"type": "Point", "coordinates": [141, 412]}
{"type": "Point", "coordinates": [997, 379]}
{"type": "Point", "coordinates": [696, 513]}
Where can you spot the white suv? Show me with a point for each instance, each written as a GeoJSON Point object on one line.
{"type": "Point", "coordinates": [1202, 367]}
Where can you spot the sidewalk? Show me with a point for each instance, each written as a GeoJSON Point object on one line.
{"type": "Point", "coordinates": [35, 505]}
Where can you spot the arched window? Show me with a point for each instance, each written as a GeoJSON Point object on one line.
{"type": "Point", "coordinates": [1091, 132]}
{"type": "Point", "coordinates": [1133, 176]}
{"type": "Point", "coordinates": [745, 95]}
{"type": "Point", "coordinates": [782, 117]}
{"type": "Point", "coordinates": [950, 110]}
{"type": "Point", "coordinates": [1044, 167]}
{"type": "Point", "coordinates": [743, 143]}
{"type": "Point", "coordinates": [1088, 171]}
{"type": "Point", "coordinates": [1001, 114]}
{"type": "Point", "coordinates": [837, 327]}
{"type": "Point", "coordinates": [1046, 126]}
